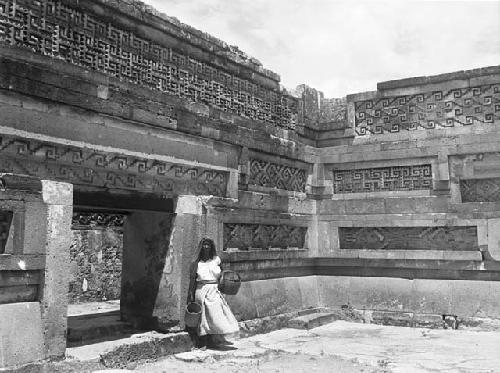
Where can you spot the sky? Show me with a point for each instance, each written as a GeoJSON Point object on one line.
{"type": "Point", "coordinates": [348, 46]}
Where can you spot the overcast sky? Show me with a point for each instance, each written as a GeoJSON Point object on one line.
{"type": "Point", "coordinates": [342, 47]}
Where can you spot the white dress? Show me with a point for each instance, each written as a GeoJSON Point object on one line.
{"type": "Point", "coordinates": [216, 316]}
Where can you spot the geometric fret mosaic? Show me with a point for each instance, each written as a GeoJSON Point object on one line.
{"type": "Point", "coordinates": [409, 238]}
{"type": "Point", "coordinates": [51, 28]}
{"type": "Point", "coordinates": [263, 237]}
{"type": "Point", "coordinates": [436, 109]}
{"type": "Point", "coordinates": [273, 175]}
{"type": "Point", "coordinates": [480, 190]}
{"type": "Point", "coordinates": [105, 169]}
{"type": "Point", "coordinates": [380, 179]}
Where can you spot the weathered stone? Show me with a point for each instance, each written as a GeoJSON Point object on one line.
{"type": "Point", "coordinates": [21, 325]}
{"type": "Point", "coordinates": [96, 264]}
{"type": "Point", "coordinates": [312, 321]}
{"type": "Point", "coordinates": [54, 301]}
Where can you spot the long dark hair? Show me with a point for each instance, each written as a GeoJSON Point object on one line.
{"type": "Point", "coordinates": [212, 253]}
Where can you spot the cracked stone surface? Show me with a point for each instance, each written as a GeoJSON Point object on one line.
{"type": "Point", "coordinates": [346, 347]}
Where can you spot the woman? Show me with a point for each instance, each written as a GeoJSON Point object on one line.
{"type": "Point", "coordinates": [217, 319]}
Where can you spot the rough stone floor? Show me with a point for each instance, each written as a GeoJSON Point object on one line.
{"type": "Point", "coordinates": [344, 346]}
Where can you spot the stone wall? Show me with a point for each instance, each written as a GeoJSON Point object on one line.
{"type": "Point", "coordinates": [395, 190]}
{"type": "Point", "coordinates": [33, 277]}
{"type": "Point", "coordinates": [96, 257]}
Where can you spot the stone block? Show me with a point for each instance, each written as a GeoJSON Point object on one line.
{"type": "Point", "coordinates": [400, 205]}
{"type": "Point", "coordinates": [475, 298]}
{"type": "Point", "coordinates": [309, 291]}
{"type": "Point", "coordinates": [463, 255]}
{"type": "Point", "coordinates": [11, 99]}
{"type": "Point", "coordinates": [244, 303]}
{"type": "Point", "coordinates": [21, 334]}
{"type": "Point", "coordinates": [380, 293]}
{"type": "Point", "coordinates": [34, 227]}
{"type": "Point", "coordinates": [332, 207]}
{"type": "Point", "coordinates": [57, 193]}
{"type": "Point", "coordinates": [392, 318]}
{"type": "Point", "coordinates": [333, 290]}
{"type": "Point", "coordinates": [428, 321]}
{"type": "Point", "coordinates": [293, 294]}
{"type": "Point", "coordinates": [189, 205]}
{"type": "Point", "coordinates": [271, 297]}
{"type": "Point", "coordinates": [431, 204]}
{"type": "Point", "coordinates": [369, 206]}
{"type": "Point", "coordinates": [327, 239]}
{"type": "Point", "coordinates": [54, 300]}
{"type": "Point", "coordinates": [494, 238]}
{"type": "Point", "coordinates": [312, 320]}
{"type": "Point", "coordinates": [432, 296]}
{"type": "Point", "coordinates": [148, 348]}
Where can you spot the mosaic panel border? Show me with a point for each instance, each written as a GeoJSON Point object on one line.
{"type": "Point", "coordinates": [434, 109]}
{"type": "Point", "coordinates": [263, 236]}
{"type": "Point", "coordinates": [111, 170]}
{"type": "Point", "coordinates": [274, 175]}
{"type": "Point", "coordinates": [480, 190]}
{"type": "Point", "coordinates": [409, 238]}
{"type": "Point", "coordinates": [395, 178]}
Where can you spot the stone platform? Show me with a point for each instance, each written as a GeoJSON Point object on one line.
{"type": "Point", "coordinates": [94, 322]}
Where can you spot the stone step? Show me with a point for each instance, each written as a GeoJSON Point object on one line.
{"type": "Point", "coordinates": [313, 320]}
{"type": "Point", "coordinates": [86, 329]}
{"type": "Point", "coordinates": [125, 352]}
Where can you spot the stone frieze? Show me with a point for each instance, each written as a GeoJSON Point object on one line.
{"type": "Point", "coordinates": [263, 236]}
{"type": "Point", "coordinates": [51, 28]}
{"type": "Point", "coordinates": [110, 170]}
{"type": "Point", "coordinates": [435, 109]}
{"type": "Point", "coordinates": [383, 179]}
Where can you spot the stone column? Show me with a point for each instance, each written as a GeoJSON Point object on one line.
{"type": "Point", "coordinates": [158, 249]}
{"type": "Point", "coordinates": [192, 223]}
{"type": "Point", "coordinates": [57, 207]}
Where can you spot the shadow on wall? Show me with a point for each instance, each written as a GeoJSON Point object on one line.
{"type": "Point", "coordinates": [145, 253]}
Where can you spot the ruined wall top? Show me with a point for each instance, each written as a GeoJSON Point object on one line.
{"type": "Point", "coordinates": [151, 16]}
{"type": "Point", "coordinates": [130, 41]}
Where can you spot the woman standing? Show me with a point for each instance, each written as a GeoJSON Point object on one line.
{"type": "Point", "coordinates": [217, 319]}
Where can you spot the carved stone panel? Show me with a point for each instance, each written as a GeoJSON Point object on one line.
{"type": "Point", "coordinates": [262, 236]}
{"type": "Point", "coordinates": [480, 190]}
{"type": "Point", "coordinates": [434, 109]}
{"type": "Point", "coordinates": [51, 28]}
{"type": "Point", "coordinates": [383, 179]}
{"type": "Point", "coordinates": [111, 170]}
{"type": "Point", "coordinates": [273, 175]}
{"type": "Point", "coordinates": [409, 238]}
{"type": "Point", "coordinates": [91, 220]}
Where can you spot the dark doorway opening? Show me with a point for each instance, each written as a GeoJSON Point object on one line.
{"type": "Point", "coordinates": [98, 279]}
